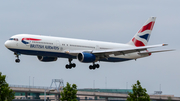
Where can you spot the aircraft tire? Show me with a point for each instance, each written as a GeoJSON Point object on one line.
{"type": "Point", "coordinates": [94, 67]}
{"type": "Point", "coordinates": [17, 60]}
{"type": "Point", "coordinates": [73, 65]}
{"type": "Point", "coordinates": [97, 65]}
{"type": "Point", "coordinates": [70, 66]}
{"type": "Point", "coordinates": [90, 67]}
{"type": "Point", "coordinates": [67, 66]}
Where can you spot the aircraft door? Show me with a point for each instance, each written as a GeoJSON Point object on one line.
{"type": "Point", "coordinates": [97, 47]}
{"type": "Point", "coordinates": [58, 44]}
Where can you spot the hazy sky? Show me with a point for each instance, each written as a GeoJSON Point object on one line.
{"type": "Point", "coordinates": [104, 20]}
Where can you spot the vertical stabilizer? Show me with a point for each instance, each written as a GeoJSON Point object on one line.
{"type": "Point", "coordinates": [142, 36]}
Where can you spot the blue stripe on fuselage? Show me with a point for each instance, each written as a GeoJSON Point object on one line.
{"type": "Point", "coordinates": [62, 55]}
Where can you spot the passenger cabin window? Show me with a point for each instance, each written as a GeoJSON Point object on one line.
{"type": "Point", "coordinates": [15, 39]}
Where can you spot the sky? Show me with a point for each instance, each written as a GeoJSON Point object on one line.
{"type": "Point", "coordinates": [102, 20]}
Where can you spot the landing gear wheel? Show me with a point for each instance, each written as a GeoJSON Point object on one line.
{"type": "Point", "coordinates": [90, 67]}
{"type": "Point", "coordinates": [94, 66]}
{"type": "Point", "coordinates": [70, 65]}
{"type": "Point", "coordinates": [67, 66]}
{"type": "Point", "coordinates": [97, 65]}
{"type": "Point", "coordinates": [17, 60]}
{"type": "Point", "coordinates": [73, 65]}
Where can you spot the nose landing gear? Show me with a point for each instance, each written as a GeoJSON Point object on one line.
{"type": "Point", "coordinates": [17, 55]}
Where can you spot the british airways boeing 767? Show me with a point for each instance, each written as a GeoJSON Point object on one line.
{"type": "Point", "coordinates": [48, 48]}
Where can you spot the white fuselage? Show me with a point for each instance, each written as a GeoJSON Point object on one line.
{"type": "Point", "coordinates": [57, 46]}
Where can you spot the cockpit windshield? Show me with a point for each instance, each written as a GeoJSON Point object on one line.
{"type": "Point", "coordinates": [15, 39]}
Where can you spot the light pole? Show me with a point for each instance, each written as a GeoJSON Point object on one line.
{"type": "Point", "coordinates": [33, 81]}
{"type": "Point", "coordinates": [29, 84]}
{"type": "Point", "coordinates": [160, 90]}
{"type": "Point", "coordinates": [29, 81]}
{"type": "Point", "coordinates": [106, 82]}
{"type": "Point", "coordinates": [94, 84]}
{"type": "Point", "coordinates": [45, 95]}
{"type": "Point", "coordinates": [126, 85]}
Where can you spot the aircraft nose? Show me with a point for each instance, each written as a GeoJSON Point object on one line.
{"type": "Point", "coordinates": [7, 44]}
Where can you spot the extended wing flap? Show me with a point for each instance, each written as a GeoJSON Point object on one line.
{"type": "Point", "coordinates": [143, 53]}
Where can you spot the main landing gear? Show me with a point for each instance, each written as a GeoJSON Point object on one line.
{"type": "Point", "coordinates": [17, 55]}
{"type": "Point", "coordinates": [94, 66]}
{"type": "Point", "coordinates": [70, 65]}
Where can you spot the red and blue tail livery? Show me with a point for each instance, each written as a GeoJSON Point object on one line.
{"type": "Point", "coordinates": [142, 36]}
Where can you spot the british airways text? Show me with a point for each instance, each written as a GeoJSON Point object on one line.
{"type": "Point", "coordinates": [44, 47]}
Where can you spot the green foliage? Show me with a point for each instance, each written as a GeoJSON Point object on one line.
{"type": "Point", "coordinates": [139, 93]}
{"type": "Point", "coordinates": [69, 93]}
{"type": "Point", "coordinates": [5, 92]}
{"type": "Point", "coordinates": [169, 99]}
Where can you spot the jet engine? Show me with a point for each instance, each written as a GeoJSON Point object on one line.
{"type": "Point", "coordinates": [86, 57]}
{"type": "Point", "coordinates": [47, 59]}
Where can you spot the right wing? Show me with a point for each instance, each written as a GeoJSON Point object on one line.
{"type": "Point", "coordinates": [125, 50]}
{"type": "Point", "coordinates": [116, 51]}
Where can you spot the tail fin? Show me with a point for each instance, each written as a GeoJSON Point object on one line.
{"type": "Point", "coordinates": [142, 36]}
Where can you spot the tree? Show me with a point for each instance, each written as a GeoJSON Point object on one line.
{"type": "Point", "coordinates": [139, 93]}
{"type": "Point", "coordinates": [6, 94]}
{"type": "Point", "coordinates": [169, 99]}
{"type": "Point", "coordinates": [69, 93]}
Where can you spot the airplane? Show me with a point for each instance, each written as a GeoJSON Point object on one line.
{"type": "Point", "coordinates": [49, 48]}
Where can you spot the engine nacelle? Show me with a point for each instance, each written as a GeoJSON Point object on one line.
{"type": "Point", "coordinates": [47, 59]}
{"type": "Point", "coordinates": [86, 57]}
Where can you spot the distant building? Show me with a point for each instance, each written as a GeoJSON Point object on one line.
{"type": "Point", "coordinates": [121, 91]}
